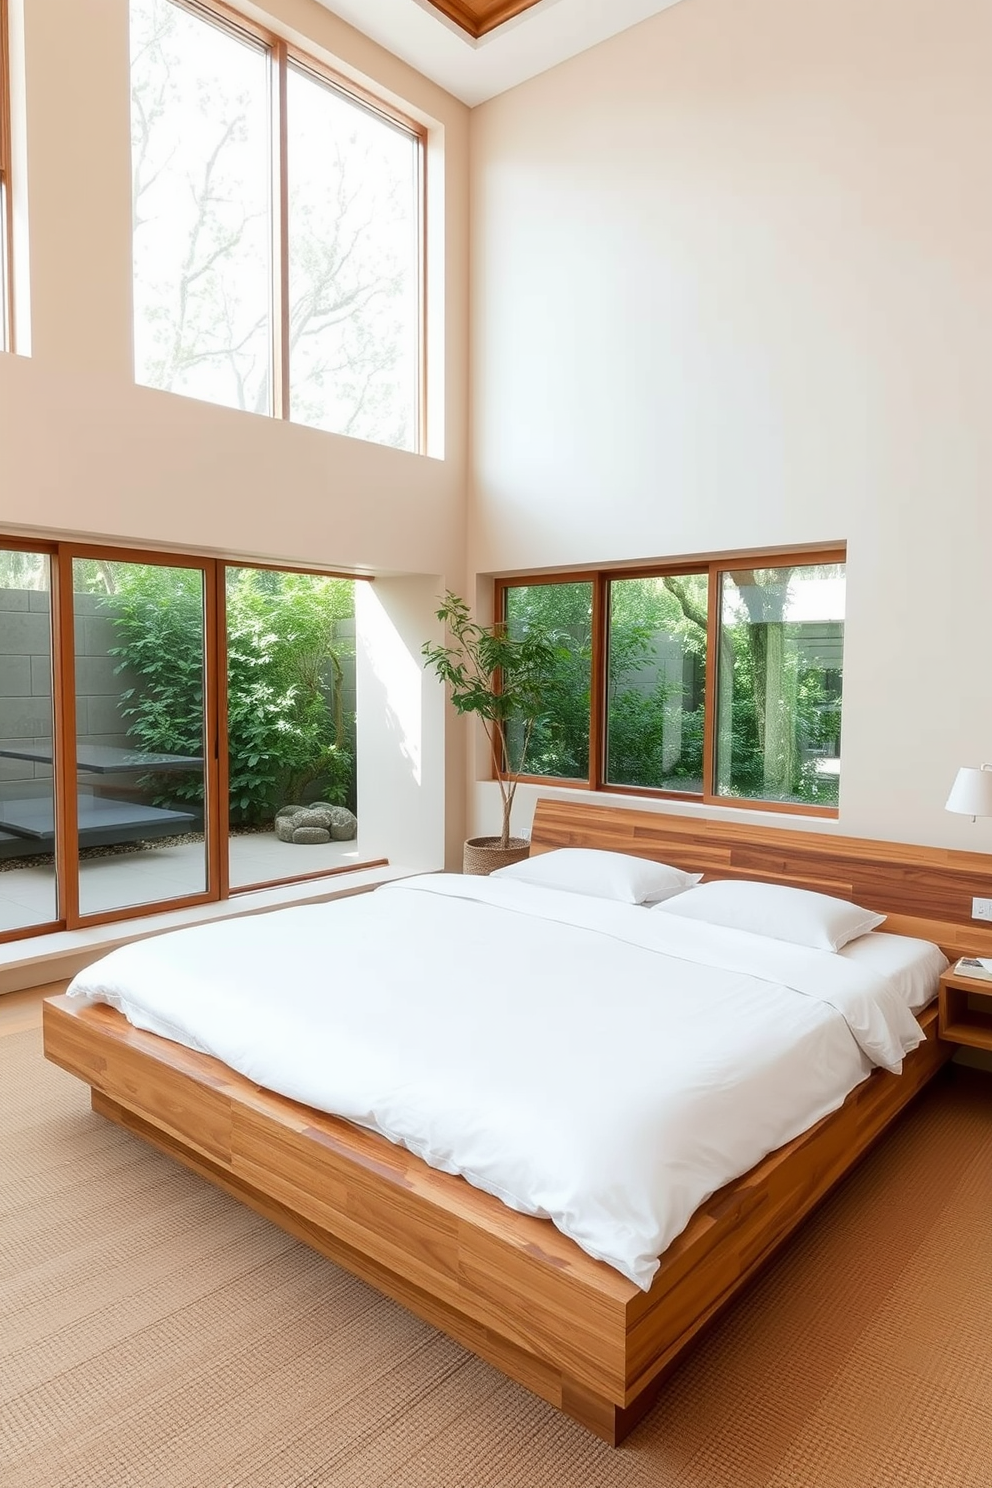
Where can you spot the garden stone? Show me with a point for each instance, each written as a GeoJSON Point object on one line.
{"type": "Point", "coordinates": [320, 822]}
{"type": "Point", "coordinates": [311, 834]}
{"type": "Point", "coordinates": [342, 822]}
{"type": "Point", "coordinates": [309, 816]}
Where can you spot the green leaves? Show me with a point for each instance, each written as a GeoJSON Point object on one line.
{"type": "Point", "coordinates": [287, 725]}
{"type": "Point", "coordinates": [500, 677]}
{"type": "Point", "coordinates": [488, 672]}
{"type": "Point", "coordinates": [491, 673]}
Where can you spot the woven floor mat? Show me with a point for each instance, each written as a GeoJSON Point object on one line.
{"type": "Point", "coordinates": [156, 1334]}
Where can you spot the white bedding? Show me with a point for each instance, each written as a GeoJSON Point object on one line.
{"type": "Point", "coordinates": [608, 1069]}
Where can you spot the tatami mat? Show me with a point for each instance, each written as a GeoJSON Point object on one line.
{"type": "Point", "coordinates": [155, 1334]}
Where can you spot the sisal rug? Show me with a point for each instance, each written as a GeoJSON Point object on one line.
{"type": "Point", "coordinates": [155, 1334]}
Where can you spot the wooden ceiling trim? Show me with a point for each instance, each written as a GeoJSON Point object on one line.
{"type": "Point", "coordinates": [479, 17]}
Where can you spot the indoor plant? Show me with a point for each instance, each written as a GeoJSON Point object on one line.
{"type": "Point", "coordinates": [503, 679]}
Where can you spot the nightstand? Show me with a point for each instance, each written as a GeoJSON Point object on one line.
{"type": "Point", "coordinates": [965, 1010]}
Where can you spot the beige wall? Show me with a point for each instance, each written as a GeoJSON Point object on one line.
{"type": "Point", "coordinates": [731, 289]}
{"type": "Point", "coordinates": [87, 453]}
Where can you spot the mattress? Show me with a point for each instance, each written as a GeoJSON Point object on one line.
{"type": "Point", "coordinates": [590, 1062]}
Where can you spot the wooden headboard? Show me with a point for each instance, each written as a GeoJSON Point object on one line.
{"type": "Point", "coordinates": [924, 891]}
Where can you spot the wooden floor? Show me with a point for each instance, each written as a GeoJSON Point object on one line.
{"type": "Point", "coordinates": [21, 1011]}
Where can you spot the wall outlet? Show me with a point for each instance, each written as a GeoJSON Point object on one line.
{"type": "Point", "coordinates": [981, 909]}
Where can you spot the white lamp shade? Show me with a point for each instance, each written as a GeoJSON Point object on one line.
{"type": "Point", "coordinates": [971, 793]}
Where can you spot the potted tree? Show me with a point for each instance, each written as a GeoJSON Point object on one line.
{"type": "Point", "coordinates": [503, 679]}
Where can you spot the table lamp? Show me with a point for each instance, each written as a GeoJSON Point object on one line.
{"type": "Point", "coordinates": [971, 793]}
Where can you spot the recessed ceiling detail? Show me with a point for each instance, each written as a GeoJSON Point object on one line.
{"type": "Point", "coordinates": [478, 48]}
{"type": "Point", "coordinates": [479, 17]}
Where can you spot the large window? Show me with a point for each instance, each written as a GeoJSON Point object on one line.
{"type": "Point", "coordinates": [656, 672]}
{"type": "Point", "coordinates": [716, 682]}
{"type": "Point", "coordinates": [277, 230]}
{"type": "Point", "coordinates": [779, 683]}
{"type": "Point", "coordinates": [559, 744]}
{"type": "Point", "coordinates": [172, 730]}
{"type": "Point", "coordinates": [201, 167]}
{"type": "Point", "coordinates": [27, 729]}
{"type": "Point", "coordinates": [291, 716]}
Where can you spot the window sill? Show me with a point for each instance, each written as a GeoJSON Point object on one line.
{"type": "Point", "coordinates": [50, 958]}
{"type": "Point", "coordinates": [680, 799]}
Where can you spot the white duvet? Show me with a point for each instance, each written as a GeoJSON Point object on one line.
{"type": "Point", "coordinates": [594, 1063]}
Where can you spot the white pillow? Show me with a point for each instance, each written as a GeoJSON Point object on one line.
{"type": "Point", "coordinates": [607, 875]}
{"type": "Point", "coordinates": [797, 915]}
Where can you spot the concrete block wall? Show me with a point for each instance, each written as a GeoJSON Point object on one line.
{"type": "Point", "coordinates": [344, 639]}
{"type": "Point", "coordinates": [98, 683]}
{"type": "Point", "coordinates": [26, 682]}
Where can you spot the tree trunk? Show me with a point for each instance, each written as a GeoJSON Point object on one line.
{"type": "Point", "coordinates": [774, 684]}
{"type": "Point", "coordinates": [724, 661]}
{"type": "Point", "coordinates": [779, 713]}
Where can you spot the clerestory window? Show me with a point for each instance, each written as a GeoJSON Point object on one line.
{"type": "Point", "coordinates": [278, 230]}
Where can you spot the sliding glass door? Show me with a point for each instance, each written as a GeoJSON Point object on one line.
{"type": "Point", "coordinates": [28, 882]}
{"type": "Point", "coordinates": [290, 716]}
{"type": "Point", "coordinates": [172, 730]}
{"type": "Point", "coordinates": [139, 777]}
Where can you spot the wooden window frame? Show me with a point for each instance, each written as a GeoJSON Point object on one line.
{"type": "Point", "coordinates": [60, 555]}
{"type": "Point", "coordinates": [713, 568]}
{"type": "Point", "coordinates": [282, 54]}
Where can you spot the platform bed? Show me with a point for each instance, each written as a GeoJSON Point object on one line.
{"type": "Point", "coordinates": [509, 1287]}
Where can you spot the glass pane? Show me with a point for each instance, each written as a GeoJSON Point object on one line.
{"type": "Point", "coordinates": [201, 171]}
{"type": "Point", "coordinates": [354, 267]}
{"type": "Point", "coordinates": [781, 668]}
{"type": "Point", "coordinates": [139, 632]}
{"type": "Point", "coordinates": [290, 724]}
{"type": "Point", "coordinates": [27, 793]}
{"type": "Point", "coordinates": [559, 744]}
{"type": "Point", "coordinates": [656, 682]}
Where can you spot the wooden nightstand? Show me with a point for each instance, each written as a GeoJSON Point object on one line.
{"type": "Point", "coordinates": [965, 1010]}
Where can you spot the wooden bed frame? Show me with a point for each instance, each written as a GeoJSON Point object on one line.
{"type": "Point", "coordinates": [509, 1287]}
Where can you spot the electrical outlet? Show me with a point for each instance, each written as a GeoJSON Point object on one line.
{"type": "Point", "coordinates": [981, 909]}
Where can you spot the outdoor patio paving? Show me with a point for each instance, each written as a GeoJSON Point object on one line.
{"type": "Point", "coordinates": [122, 880]}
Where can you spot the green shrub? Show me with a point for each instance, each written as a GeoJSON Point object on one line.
{"type": "Point", "coordinates": [289, 735]}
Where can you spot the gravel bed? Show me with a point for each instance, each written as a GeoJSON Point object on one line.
{"type": "Point", "coordinates": [117, 850]}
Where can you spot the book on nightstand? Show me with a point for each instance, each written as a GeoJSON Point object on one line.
{"type": "Point", "coordinates": [971, 966]}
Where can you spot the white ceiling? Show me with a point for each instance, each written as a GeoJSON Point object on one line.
{"type": "Point", "coordinates": [476, 70]}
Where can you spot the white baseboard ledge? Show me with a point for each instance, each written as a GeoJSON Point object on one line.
{"type": "Point", "coordinates": [36, 960]}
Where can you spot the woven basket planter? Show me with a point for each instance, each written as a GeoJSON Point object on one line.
{"type": "Point", "coordinates": [483, 854]}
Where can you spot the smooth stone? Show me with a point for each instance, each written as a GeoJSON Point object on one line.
{"type": "Point", "coordinates": [308, 817]}
{"type": "Point", "coordinates": [305, 835]}
{"type": "Point", "coordinates": [335, 823]}
{"type": "Point", "coordinates": [343, 823]}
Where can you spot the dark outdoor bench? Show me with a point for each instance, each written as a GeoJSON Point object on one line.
{"type": "Point", "coordinates": [103, 822]}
